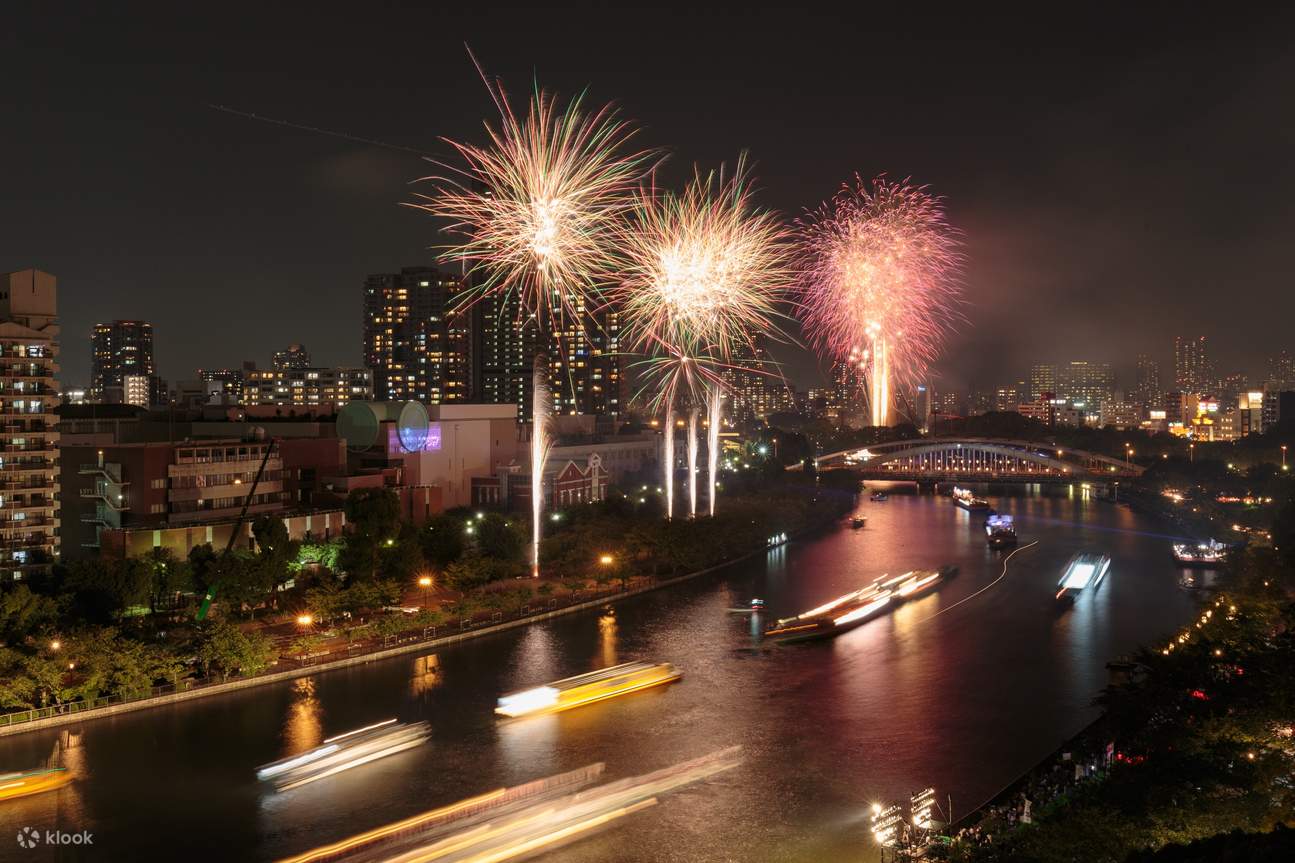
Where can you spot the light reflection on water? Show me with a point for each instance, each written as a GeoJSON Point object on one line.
{"type": "Point", "coordinates": [963, 701]}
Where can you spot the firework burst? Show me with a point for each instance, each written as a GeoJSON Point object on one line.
{"type": "Point", "coordinates": [703, 275]}
{"type": "Point", "coordinates": [879, 282]}
{"type": "Point", "coordinates": [534, 211]}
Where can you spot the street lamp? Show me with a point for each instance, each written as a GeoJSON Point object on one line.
{"type": "Point", "coordinates": [606, 560]}
{"type": "Point", "coordinates": [1284, 467]}
{"type": "Point", "coordinates": [1191, 453]}
{"type": "Point", "coordinates": [55, 645]}
{"type": "Point", "coordinates": [425, 582]}
{"type": "Point", "coordinates": [305, 620]}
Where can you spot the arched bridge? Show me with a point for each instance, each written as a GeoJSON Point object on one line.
{"type": "Point", "coordinates": [978, 459]}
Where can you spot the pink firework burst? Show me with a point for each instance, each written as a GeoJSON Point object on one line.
{"type": "Point", "coordinates": [879, 283]}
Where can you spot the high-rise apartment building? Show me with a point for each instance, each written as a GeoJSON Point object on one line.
{"type": "Point", "coordinates": [117, 349]}
{"type": "Point", "coordinates": [417, 348]}
{"type": "Point", "coordinates": [1043, 380]}
{"type": "Point", "coordinates": [308, 387]}
{"type": "Point", "coordinates": [29, 469]}
{"type": "Point", "coordinates": [292, 357]}
{"type": "Point", "coordinates": [1192, 372]}
{"type": "Point", "coordinates": [1147, 392]}
{"type": "Point", "coordinates": [1281, 370]}
{"type": "Point", "coordinates": [1087, 383]}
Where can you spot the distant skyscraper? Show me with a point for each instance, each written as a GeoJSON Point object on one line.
{"type": "Point", "coordinates": [230, 380]}
{"type": "Point", "coordinates": [755, 387]}
{"type": "Point", "coordinates": [415, 347]}
{"type": "Point", "coordinates": [1281, 369]}
{"type": "Point", "coordinates": [1007, 397]}
{"type": "Point", "coordinates": [1191, 365]}
{"type": "Point", "coordinates": [29, 507]}
{"type": "Point", "coordinates": [1147, 393]}
{"type": "Point", "coordinates": [118, 349]}
{"type": "Point", "coordinates": [292, 357]}
{"type": "Point", "coordinates": [309, 387]}
{"type": "Point", "coordinates": [1091, 383]}
{"type": "Point", "coordinates": [1043, 380]}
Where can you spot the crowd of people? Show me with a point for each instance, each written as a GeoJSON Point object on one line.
{"type": "Point", "coordinates": [1021, 803]}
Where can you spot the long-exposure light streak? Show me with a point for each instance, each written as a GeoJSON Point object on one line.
{"type": "Point", "coordinates": [694, 416]}
{"type": "Point", "coordinates": [712, 445]}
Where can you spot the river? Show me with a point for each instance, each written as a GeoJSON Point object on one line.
{"type": "Point", "coordinates": [964, 699]}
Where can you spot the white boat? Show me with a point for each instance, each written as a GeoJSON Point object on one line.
{"type": "Point", "coordinates": [1084, 571]}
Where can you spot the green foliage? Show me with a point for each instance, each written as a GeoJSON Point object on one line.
{"type": "Point", "coordinates": [103, 589]}
{"type": "Point", "coordinates": [276, 553]}
{"type": "Point", "coordinates": [169, 576]}
{"type": "Point", "coordinates": [442, 540]}
{"type": "Point", "coordinates": [23, 613]}
{"type": "Point", "coordinates": [322, 554]}
{"type": "Point", "coordinates": [225, 648]}
{"type": "Point", "coordinates": [500, 538]}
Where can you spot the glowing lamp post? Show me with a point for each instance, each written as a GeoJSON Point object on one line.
{"type": "Point", "coordinates": [305, 620]}
{"type": "Point", "coordinates": [425, 582]}
{"type": "Point", "coordinates": [1284, 467]}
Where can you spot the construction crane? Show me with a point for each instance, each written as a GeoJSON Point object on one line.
{"type": "Point", "coordinates": [205, 606]}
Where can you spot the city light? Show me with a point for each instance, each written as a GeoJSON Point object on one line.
{"type": "Point", "coordinates": [305, 619]}
{"type": "Point", "coordinates": [425, 581]}
{"type": "Point", "coordinates": [606, 559]}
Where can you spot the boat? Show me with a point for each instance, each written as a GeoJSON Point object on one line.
{"type": "Point", "coordinates": [879, 496]}
{"type": "Point", "coordinates": [1209, 553]}
{"type": "Point", "coordinates": [1084, 571]}
{"type": "Point", "coordinates": [756, 606]}
{"type": "Point", "coordinates": [572, 692]}
{"type": "Point", "coordinates": [1000, 531]}
{"type": "Point", "coordinates": [857, 607]}
{"type": "Point", "coordinates": [965, 499]}
{"type": "Point", "coordinates": [841, 618]}
{"type": "Point", "coordinates": [776, 540]}
{"type": "Point", "coordinates": [344, 752]}
{"type": "Point", "coordinates": [24, 784]}
{"type": "Point", "coordinates": [857, 522]}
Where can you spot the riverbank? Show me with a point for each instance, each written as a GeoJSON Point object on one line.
{"type": "Point", "coordinates": [431, 637]}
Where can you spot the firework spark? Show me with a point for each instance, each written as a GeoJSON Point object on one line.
{"type": "Point", "coordinates": [703, 275]}
{"type": "Point", "coordinates": [536, 209]}
{"type": "Point", "coordinates": [534, 212]}
{"type": "Point", "coordinates": [879, 283]}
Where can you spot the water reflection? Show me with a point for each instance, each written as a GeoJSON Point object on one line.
{"type": "Point", "coordinates": [607, 638]}
{"type": "Point", "coordinates": [303, 728]}
{"type": "Point", "coordinates": [425, 676]}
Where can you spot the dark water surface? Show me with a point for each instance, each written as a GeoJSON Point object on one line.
{"type": "Point", "coordinates": [964, 700]}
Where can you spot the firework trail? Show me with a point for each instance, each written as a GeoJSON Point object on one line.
{"type": "Point", "coordinates": [703, 273]}
{"type": "Point", "coordinates": [712, 444]}
{"type": "Point", "coordinates": [539, 451]}
{"type": "Point", "coordinates": [533, 214]}
{"type": "Point", "coordinates": [879, 283]}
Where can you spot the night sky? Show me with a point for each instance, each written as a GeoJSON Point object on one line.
{"type": "Point", "coordinates": [1119, 179]}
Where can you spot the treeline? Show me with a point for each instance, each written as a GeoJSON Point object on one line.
{"type": "Point", "coordinates": [117, 627]}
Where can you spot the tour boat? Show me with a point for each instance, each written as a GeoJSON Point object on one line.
{"type": "Point", "coordinates": [879, 496]}
{"type": "Point", "coordinates": [965, 499]}
{"type": "Point", "coordinates": [344, 752]}
{"type": "Point", "coordinates": [1000, 531]}
{"type": "Point", "coordinates": [756, 606]}
{"type": "Point", "coordinates": [1082, 572]}
{"type": "Point", "coordinates": [1211, 553]}
{"type": "Point", "coordinates": [841, 615]}
{"type": "Point", "coordinates": [588, 688]}
{"type": "Point", "coordinates": [857, 522]}
{"type": "Point", "coordinates": [13, 785]}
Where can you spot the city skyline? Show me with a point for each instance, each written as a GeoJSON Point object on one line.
{"type": "Point", "coordinates": [1125, 248]}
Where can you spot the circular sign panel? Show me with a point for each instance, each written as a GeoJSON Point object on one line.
{"type": "Point", "coordinates": [357, 424]}
{"type": "Point", "coordinates": [412, 427]}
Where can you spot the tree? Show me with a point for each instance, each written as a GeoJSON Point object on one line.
{"type": "Point", "coordinates": [403, 558]}
{"type": "Point", "coordinates": [500, 538]}
{"type": "Point", "coordinates": [104, 588]}
{"type": "Point", "coordinates": [442, 540]}
{"type": "Point", "coordinates": [23, 613]}
{"type": "Point", "coordinates": [227, 648]}
{"type": "Point", "coordinates": [276, 552]}
{"type": "Point", "coordinates": [168, 576]}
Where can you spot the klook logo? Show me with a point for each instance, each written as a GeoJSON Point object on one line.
{"type": "Point", "coordinates": [30, 837]}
